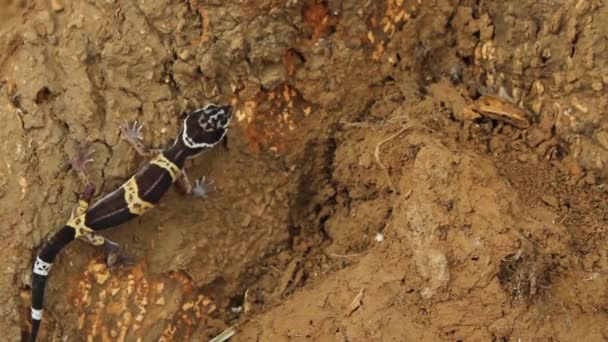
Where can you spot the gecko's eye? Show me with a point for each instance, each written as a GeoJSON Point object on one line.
{"type": "Point", "coordinates": [205, 127]}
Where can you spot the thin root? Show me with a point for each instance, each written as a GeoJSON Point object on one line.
{"type": "Point", "coordinates": [384, 141]}
{"type": "Point", "coordinates": [336, 255]}
{"type": "Point", "coordinates": [225, 335]}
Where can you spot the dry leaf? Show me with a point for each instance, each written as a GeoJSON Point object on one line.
{"type": "Point", "coordinates": [355, 304]}
{"type": "Point", "coordinates": [496, 108]}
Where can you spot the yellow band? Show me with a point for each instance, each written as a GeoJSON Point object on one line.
{"type": "Point", "coordinates": [137, 206]}
{"type": "Point", "coordinates": [78, 219]}
{"type": "Point", "coordinates": [166, 164]}
{"type": "Point", "coordinates": [78, 223]}
{"type": "Point", "coordinates": [94, 239]}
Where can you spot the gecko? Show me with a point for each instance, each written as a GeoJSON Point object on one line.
{"type": "Point", "coordinates": [201, 130]}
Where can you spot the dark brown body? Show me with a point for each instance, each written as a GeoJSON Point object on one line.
{"type": "Point", "coordinates": [153, 182]}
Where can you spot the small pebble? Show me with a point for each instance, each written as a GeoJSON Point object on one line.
{"type": "Point", "coordinates": [550, 200]}
{"type": "Point", "coordinates": [597, 86]}
{"type": "Point", "coordinates": [184, 55]}
{"type": "Point", "coordinates": [379, 237]}
{"type": "Point", "coordinates": [56, 5]}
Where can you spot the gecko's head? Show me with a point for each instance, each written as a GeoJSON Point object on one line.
{"type": "Point", "coordinates": [206, 127]}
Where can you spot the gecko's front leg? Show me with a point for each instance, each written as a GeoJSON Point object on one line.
{"type": "Point", "coordinates": [132, 134]}
{"type": "Point", "coordinates": [78, 164]}
{"type": "Point", "coordinates": [201, 187]}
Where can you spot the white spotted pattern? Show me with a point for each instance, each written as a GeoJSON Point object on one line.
{"type": "Point", "coordinates": [41, 267]}
{"type": "Point", "coordinates": [36, 314]}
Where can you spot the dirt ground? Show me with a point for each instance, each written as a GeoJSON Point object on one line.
{"type": "Point", "coordinates": [364, 195]}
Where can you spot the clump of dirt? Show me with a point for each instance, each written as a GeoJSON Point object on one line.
{"type": "Point", "coordinates": [367, 193]}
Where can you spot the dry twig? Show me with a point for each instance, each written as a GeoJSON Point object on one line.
{"type": "Point", "coordinates": [225, 335]}
{"type": "Point", "coordinates": [356, 303]}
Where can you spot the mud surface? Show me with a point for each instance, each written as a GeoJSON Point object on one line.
{"type": "Point", "coordinates": [364, 195]}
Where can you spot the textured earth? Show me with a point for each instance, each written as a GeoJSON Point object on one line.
{"type": "Point", "coordinates": [399, 170]}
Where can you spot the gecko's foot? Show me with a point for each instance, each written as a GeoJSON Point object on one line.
{"type": "Point", "coordinates": [116, 255]}
{"type": "Point", "coordinates": [131, 132]}
{"type": "Point", "coordinates": [202, 188]}
{"type": "Point", "coordinates": [79, 163]}
{"type": "Point", "coordinates": [120, 259]}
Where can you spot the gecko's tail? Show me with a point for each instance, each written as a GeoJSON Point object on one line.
{"type": "Point", "coordinates": [41, 269]}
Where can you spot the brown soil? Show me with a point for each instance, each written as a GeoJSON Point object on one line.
{"type": "Point", "coordinates": [358, 200]}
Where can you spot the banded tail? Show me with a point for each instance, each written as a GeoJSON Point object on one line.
{"type": "Point", "coordinates": [41, 269]}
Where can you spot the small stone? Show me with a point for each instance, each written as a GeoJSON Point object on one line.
{"type": "Point", "coordinates": [501, 327]}
{"type": "Point", "coordinates": [160, 301]}
{"type": "Point", "coordinates": [56, 5]}
{"type": "Point", "coordinates": [537, 105]}
{"type": "Point", "coordinates": [246, 220]}
{"type": "Point", "coordinates": [579, 106]}
{"type": "Point", "coordinates": [102, 277]}
{"type": "Point", "coordinates": [379, 237]}
{"type": "Point", "coordinates": [365, 160]}
{"type": "Point", "coordinates": [550, 200]}
{"type": "Point", "coordinates": [498, 144]}
{"type": "Point", "coordinates": [558, 79]}
{"type": "Point", "coordinates": [539, 88]}
{"type": "Point", "coordinates": [81, 321]}
{"type": "Point", "coordinates": [602, 139]}
{"type": "Point", "coordinates": [184, 55]}
{"type": "Point", "coordinates": [97, 268]}
{"type": "Point", "coordinates": [590, 179]}
{"type": "Point", "coordinates": [536, 136]}
{"type": "Point", "coordinates": [572, 166]}
{"type": "Point", "coordinates": [571, 77]}
{"type": "Point", "coordinates": [525, 157]}
{"type": "Point", "coordinates": [597, 86]}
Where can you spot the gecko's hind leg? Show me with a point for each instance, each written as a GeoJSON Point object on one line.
{"type": "Point", "coordinates": [115, 253]}
{"type": "Point", "coordinates": [131, 132]}
{"type": "Point", "coordinates": [78, 164]}
{"type": "Point", "coordinates": [201, 187]}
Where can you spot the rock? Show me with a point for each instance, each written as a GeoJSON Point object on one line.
{"type": "Point", "coordinates": [56, 5]}
{"type": "Point", "coordinates": [185, 54]}
{"type": "Point", "coordinates": [536, 136]}
{"type": "Point", "coordinates": [272, 76]}
{"type": "Point", "coordinates": [502, 327]}
{"type": "Point", "coordinates": [602, 139]}
{"type": "Point", "coordinates": [498, 144]}
{"type": "Point", "coordinates": [597, 86]}
{"type": "Point", "coordinates": [102, 277]}
{"type": "Point", "coordinates": [432, 264]}
{"type": "Point", "coordinates": [550, 200]}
